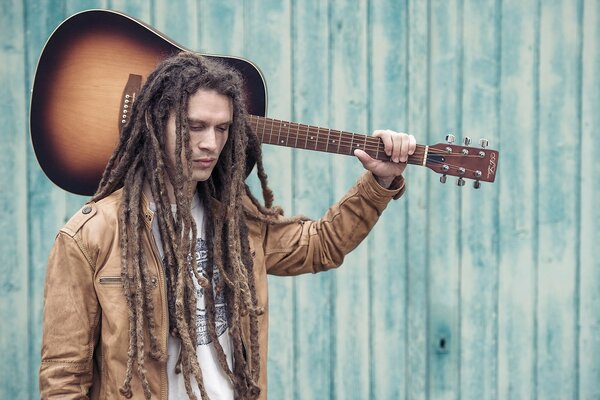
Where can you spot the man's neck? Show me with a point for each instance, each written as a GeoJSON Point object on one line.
{"type": "Point", "coordinates": [170, 192]}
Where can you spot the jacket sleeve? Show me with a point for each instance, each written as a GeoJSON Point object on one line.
{"type": "Point", "coordinates": [71, 315]}
{"type": "Point", "coordinates": [295, 247]}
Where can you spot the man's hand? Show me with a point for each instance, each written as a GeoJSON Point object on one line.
{"type": "Point", "coordinates": [398, 146]}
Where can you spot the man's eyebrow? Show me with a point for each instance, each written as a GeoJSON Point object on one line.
{"type": "Point", "coordinates": [193, 121]}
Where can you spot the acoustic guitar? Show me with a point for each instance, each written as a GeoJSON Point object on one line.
{"type": "Point", "coordinates": [94, 64]}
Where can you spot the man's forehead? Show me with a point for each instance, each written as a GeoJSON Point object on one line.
{"type": "Point", "coordinates": [208, 106]}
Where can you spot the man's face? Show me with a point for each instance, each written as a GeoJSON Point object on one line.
{"type": "Point", "coordinates": [210, 115]}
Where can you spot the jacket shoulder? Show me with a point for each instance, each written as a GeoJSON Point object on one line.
{"type": "Point", "coordinates": [105, 209]}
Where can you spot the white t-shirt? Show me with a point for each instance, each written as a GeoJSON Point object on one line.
{"type": "Point", "coordinates": [217, 384]}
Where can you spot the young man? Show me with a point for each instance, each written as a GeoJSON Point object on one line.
{"type": "Point", "coordinates": [157, 287]}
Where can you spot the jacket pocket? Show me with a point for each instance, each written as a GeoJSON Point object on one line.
{"type": "Point", "coordinates": [109, 280]}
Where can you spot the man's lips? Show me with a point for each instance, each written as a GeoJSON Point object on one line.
{"type": "Point", "coordinates": [204, 162]}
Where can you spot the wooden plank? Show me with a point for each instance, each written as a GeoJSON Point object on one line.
{"type": "Point", "coordinates": [168, 18]}
{"type": "Point", "coordinates": [589, 317]}
{"type": "Point", "coordinates": [419, 181]}
{"type": "Point", "coordinates": [348, 105]}
{"type": "Point", "coordinates": [559, 148]}
{"type": "Point", "coordinates": [267, 43]}
{"type": "Point", "coordinates": [14, 285]}
{"type": "Point", "coordinates": [388, 247]}
{"type": "Point", "coordinates": [213, 17]}
{"type": "Point", "coordinates": [479, 246]}
{"type": "Point", "coordinates": [313, 323]}
{"type": "Point", "coordinates": [139, 9]}
{"type": "Point", "coordinates": [46, 208]}
{"type": "Point", "coordinates": [445, 93]}
{"type": "Point", "coordinates": [517, 226]}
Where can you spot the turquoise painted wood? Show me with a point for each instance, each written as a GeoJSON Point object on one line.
{"type": "Point", "coordinates": [387, 39]}
{"type": "Point", "coordinates": [312, 194]}
{"type": "Point", "coordinates": [442, 204]}
{"type": "Point", "coordinates": [588, 365]}
{"type": "Point", "coordinates": [14, 283]}
{"type": "Point", "coordinates": [518, 270]}
{"type": "Point", "coordinates": [457, 293]}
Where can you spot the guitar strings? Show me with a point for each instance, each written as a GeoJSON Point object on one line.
{"type": "Point", "coordinates": [317, 137]}
{"type": "Point", "coordinates": [345, 140]}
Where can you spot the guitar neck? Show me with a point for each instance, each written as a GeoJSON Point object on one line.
{"type": "Point", "coordinates": [301, 136]}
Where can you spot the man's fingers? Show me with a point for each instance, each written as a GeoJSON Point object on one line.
{"type": "Point", "coordinates": [364, 158]}
{"type": "Point", "coordinates": [386, 139]}
{"type": "Point", "coordinates": [412, 147]}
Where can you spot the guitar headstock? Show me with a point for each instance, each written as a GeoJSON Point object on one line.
{"type": "Point", "coordinates": [476, 163]}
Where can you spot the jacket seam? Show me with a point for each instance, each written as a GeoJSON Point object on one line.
{"type": "Point", "coordinates": [84, 251]}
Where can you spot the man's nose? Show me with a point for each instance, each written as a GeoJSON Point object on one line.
{"type": "Point", "coordinates": [208, 139]}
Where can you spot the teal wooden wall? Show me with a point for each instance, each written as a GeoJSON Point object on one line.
{"type": "Point", "coordinates": [506, 277]}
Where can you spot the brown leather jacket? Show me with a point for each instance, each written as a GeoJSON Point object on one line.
{"type": "Point", "coordinates": [85, 339]}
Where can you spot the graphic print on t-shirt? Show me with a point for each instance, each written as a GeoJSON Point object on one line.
{"type": "Point", "coordinates": [219, 296]}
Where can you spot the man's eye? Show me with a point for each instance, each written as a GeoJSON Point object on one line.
{"type": "Point", "coordinates": [223, 129]}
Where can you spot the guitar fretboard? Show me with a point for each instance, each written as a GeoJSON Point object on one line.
{"type": "Point", "coordinates": [301, 136]}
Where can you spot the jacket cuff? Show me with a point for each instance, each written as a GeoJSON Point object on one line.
{"type": "Point", "coordinates": [380, 194]}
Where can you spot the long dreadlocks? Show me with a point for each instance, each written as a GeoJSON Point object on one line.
{"type": "Point", "coordinates": [140, 157]}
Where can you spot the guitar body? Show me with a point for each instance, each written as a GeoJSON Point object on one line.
{"type": "Point", "coordinates": [88, 67]}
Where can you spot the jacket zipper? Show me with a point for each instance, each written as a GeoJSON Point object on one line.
{"type": "Point", "coordinates": [107, 280]}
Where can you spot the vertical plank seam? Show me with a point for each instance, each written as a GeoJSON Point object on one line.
{"type": "Point", "coordinates": [406, 314]}
{"type": "Point", "coordinates": [369, 62]}
{"type": "Point", "coordinates": [295, 318]}
{"type": "Point", "coordinates": [369, 121]}
{"type": "Point", "coordinates": [428, 227]}
{"type": "Point", "coordinates": [459, 123]}
{"type": "Point", "coordinates": [428, 222]}
{"type": "Point", "coordinates": [31, 319]}
{"type": "Point", "coordinates": [498, 28]}
{"type": "Point", "coordinates": [333, 292]}
{"type": "Point", "coordinates": [536, 216]}
{"type": "Point", "coordinates": [578, 174]}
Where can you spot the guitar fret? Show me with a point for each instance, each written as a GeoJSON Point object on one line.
{"type": "Point", "coordinates": [277, 131]}
{"type": "Point", "coordinates": [295, 144]}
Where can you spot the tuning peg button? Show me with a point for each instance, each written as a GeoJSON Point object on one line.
{"type": "Point", "coordinates": [467, 141]}
{"type": "Point", "coordinates": [450, 138]}
{"type": "Point", "coordinates": [460, 182]}
{"type": "Point", "coordinates": [443, 178]}
{"type": "Point", "coordinates": [477, 184]}
{"type": "Point", "coordinates": [484, 142]}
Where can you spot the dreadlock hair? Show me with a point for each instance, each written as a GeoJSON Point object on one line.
{"type": "Point", "coordinates": [140, 157]}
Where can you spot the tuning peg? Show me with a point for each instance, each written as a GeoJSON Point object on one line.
{"type": "Point", "coordinates": [477, 184]}
{"type": "Point", "coordinates": [443, 178]}
{"type": "Point", "coordinates": [460, 182]}
{"type": "Point", "coordinates": [484, 143]}
{"type": "Point", "coordinates": [450, 138]}
{"type": "Point", "coordinates": [467, 141]}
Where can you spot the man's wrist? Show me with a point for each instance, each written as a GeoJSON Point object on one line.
{"type": "Point", "coordinates": [384, 182]}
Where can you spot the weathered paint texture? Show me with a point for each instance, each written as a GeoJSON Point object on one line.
{"type": "Point", "coordinates": [458, 293]}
